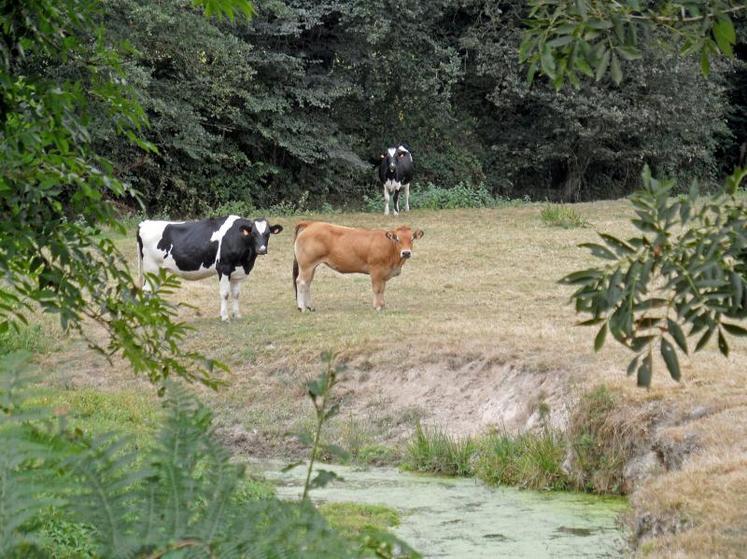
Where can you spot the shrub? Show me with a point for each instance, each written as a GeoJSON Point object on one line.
{"type": "Point", "coordinates": [432, 197]}
{"type": "Point", "coordinates": [235, 207]}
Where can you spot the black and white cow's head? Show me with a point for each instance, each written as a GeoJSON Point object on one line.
{"type": "Point", "coordinates": [257, 233]}
{"type": "Point", "coordinates": [396, 164]}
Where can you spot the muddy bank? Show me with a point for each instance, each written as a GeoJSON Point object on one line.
{"type": "Point", "coordinates": [382, 397]}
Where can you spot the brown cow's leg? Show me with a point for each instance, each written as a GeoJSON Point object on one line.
{"type": "Point", "coordinates": [303, 292]}
{"type": "Point", "coordinates": [378, 285]}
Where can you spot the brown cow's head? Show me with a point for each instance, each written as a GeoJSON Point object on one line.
{"type": "Point", "coordinates": [403, 237]}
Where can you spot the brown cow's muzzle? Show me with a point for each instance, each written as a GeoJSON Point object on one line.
{"type": "Point", "coordinates": [406, 253]}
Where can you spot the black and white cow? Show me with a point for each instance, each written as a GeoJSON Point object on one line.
{"type": "Point", "coordinates": [395, 173]}
{"type": "Point", "coordinates": [195, 250]}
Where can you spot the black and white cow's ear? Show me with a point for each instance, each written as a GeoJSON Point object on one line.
{"type": "Point", "coordinates": [275, 229]}
{"type": "Point", "coordinates": [392, 236]}
{"type": "Point", "coordinates": [417, 234]}
{"type": "Point", "coordinates": [246, 230]}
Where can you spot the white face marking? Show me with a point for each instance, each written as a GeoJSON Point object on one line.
{"type": "Point", "coordinates": [261, 226]}
{"type": "Point", "coordinates": [391, 151]}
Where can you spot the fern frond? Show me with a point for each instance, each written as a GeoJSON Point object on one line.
{"type": "Point", "coordinates": [108, 475]}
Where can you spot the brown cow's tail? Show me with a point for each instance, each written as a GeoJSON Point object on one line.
{"type": "Point", "coordinates": [300, 226]}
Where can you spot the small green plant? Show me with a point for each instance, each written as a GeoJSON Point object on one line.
{"type": "Point", "coordinates": [320, 393]}
{"type": "Point", "coordinates": [435, 451]}
{"type": "Point", "coordinates": [561, 215]}
{"type": "Point", "coordinates": [684, 275]}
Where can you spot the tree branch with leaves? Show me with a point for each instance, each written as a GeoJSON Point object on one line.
{"type": "Point", "coordinates": [567, 40]}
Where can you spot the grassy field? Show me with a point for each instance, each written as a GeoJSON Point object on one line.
{"type": "Point", "coordinates": [476, 334]}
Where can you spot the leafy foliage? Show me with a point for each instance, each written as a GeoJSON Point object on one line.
{"type": "Point", "coordinates": [180, 495]}
{"type": "Point", "coordinates": [566, 40]}
{"type": "Point", "coordinates": [55, 191]}
{"type": "Point", "coordinates": [683, 276]}
{"type": "Point", "coordinates": [302, 97]}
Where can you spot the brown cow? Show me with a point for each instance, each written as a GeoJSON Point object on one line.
{"type": "Point", "coordinates": [380, 254]}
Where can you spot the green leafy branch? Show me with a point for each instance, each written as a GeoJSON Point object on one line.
{"type": "Point", "coordinates": [569, 39]}
{"type": "Point", "coordinates": [683, 276]}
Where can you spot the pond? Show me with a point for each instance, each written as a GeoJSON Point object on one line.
{"type": "Point", "coordinates": [463, 518]}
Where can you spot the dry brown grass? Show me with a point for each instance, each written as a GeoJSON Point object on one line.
{"type": "Point", "coordinates": [479, 306]}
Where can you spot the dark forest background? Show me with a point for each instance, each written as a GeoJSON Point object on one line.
{"type": "Point", "coordinates": [297, 103]}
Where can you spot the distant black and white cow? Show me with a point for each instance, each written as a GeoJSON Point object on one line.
{"type": "Point", "coordinates": [395, 173]}
{"type": "Point", "coordinates": [195, 250]}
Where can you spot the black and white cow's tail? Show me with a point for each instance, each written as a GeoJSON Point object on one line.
{"type": "Point", "coordinates": [300, 226]}
{"type": "Point", "coordinates": [140, 276]}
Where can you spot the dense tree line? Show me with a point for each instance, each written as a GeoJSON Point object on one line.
{"type": "Point", "coordinates": [305, 95]}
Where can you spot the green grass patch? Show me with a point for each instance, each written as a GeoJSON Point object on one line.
{"type": "Point", "coordinates": [95, 412]}
{"type": "Point", "coordinates": [528, 460]}
{"type": "Point", "coordinates": [560, 215]}
{"type": "Point", "coordinates": [62, 539]}
{"type": "Point", "coordinates": [353, 519]}
{"type": "Point", "coordinates": [25, 337]}
{"type": "Point", "coordinates": [435, 451]}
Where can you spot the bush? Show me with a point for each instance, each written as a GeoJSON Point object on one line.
{"type": "Point", "coordinates": [432, 197]}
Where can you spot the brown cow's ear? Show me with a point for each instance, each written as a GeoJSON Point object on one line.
{"type": "Point", "coordinates": [418, 234]}
{"type": "Point", "coordinates": [392, 236]}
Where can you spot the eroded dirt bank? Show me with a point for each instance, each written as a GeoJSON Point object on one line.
{"type": "Point", "coordinates": [662, 441]}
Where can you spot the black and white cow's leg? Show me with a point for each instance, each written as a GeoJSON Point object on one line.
{"type": "Point", "coordinates": [386, 200]}
{"type": "Point", "coordinates": [225, 292]}
{"type": "Point", "coordinates": [407, 196]}
{"type": "Point", "coordinates": [396, 202]}
{"type": "Point", "coordinates": [235, 289]}
{"type": "Point", "coordinates": [303, 289]}
{"type": "Point", "coordinates": [147, 266]}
